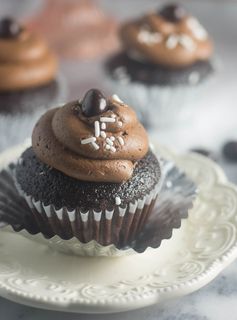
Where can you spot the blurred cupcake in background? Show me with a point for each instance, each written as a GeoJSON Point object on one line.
{"type": "Point", "coordinates": [76, 29]}
{"type": "Point", "coordinates": [166, 61]}
{"type": "Point", "coordinates": [28, 70]}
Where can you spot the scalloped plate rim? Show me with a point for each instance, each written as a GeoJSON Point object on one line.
{"type": "Point", "coordinates": [160, 294]}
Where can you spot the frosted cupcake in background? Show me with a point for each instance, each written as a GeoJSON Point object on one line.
{"type": "Point", "coordinates": [28, 70]}
{"type": "Point", "coordinates": [166, 61]}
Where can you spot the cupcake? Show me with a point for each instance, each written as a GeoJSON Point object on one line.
{"type": "Point", "coordinates": [166, 59]}
{"type": "Point", "coordinates": [90, 173]}
{"type": "Point", "coordinates": [28, 70]}
{"type": "Point", "coordinates": [85, 30]}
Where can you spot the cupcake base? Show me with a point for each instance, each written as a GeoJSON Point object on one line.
{"type": "Point", "coordinates": [86, 210]}
{"type": "Point", "coordinates": [122, 67]}
{"type": "Point", "coordinates": [161, 96]}
{"type": "Point", "coordinates": [27, 101]}
{"type": "Point", "coordinates": [175, 200]}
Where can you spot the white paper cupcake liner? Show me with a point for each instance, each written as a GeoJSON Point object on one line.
{"type": "Point", "coordinates": [16, 127]}
{"type": "Point", "coordinates": [159, 106]}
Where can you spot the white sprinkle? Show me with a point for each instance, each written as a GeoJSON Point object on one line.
{"type": "Point", "coordinates": [103, 126]}
{"type": "Point", "coordinates": [120, 124]}
{"type": "Point", "coordinates": [107, 119]}
{"type": "Point", "coordinates": [95, 145]}
{"type": "Point", "coordinates": [149, 38]}
{"type": "Point", "coordinates": [112, 138]}
{"type": "Point", "coordinates": [121, 74]}
{"type": "Point", "coordinates": [103, 134]}
{"type": "Point", "coordinates": [107, 147]}
{"type": "Point", "coordinates": [97, 128]}
{"type": "Point", "coordinates": [120, 71]}
{"type": "Point", "coordinates": [113, 115]}
{"type": "Point", "coordinates": [121, 141]}
{"type": "Point", "coordinates": [172, 41]}
{"type": "Point", "coordinates": [198, 30]}
{"type": "Point", "coordinates": [194, 77]}
{"type": "Point", "coordinates": [88, 140]}
{"type": "Point", "coordinates": [117, 201]}
{"type": "Point", "coordinates": [116, 98]}
{"type": "Point", "coordinates": [187, 42]}
{"type": "Point", "coordinates": [109, 141]}
{"type": "Point", "coordinates": [112, 149]}
{"type": "Point", "coordinates": [169, 184]}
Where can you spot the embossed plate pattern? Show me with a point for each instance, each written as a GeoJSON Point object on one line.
{"type": "Point", "coordinates": [204, 245]}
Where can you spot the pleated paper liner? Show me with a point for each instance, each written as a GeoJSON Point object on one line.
{"type": "Point", "coordinates": [101, 233]}
{"type": "Point", "coordinates": [119, 225]}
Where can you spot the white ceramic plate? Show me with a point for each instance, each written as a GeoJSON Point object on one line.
{"type": "Point", "coordinates": [204, 245]}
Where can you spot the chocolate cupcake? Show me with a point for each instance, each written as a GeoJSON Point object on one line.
{"type": "Point", "coordinates": [166, 59]}
{"type": "Point", "coordinates": [90, 172]}
{"type": "Point", "coordinates": [28, 70]}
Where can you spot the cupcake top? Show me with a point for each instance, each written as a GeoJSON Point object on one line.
{"type": "Point", "coordinates": [169, 37]}
{"type": "Point", "coordinates": [25, 60]}
{"type": "Point", "coordinates": [95, 139]}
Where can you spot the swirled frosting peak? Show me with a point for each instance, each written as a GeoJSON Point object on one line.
{"type": "Point", "coordinates": [94, 139]}
{"type": "Point", "coordinates": [169, 37]}
{"type": "Point", "coordinates": [25, 60]}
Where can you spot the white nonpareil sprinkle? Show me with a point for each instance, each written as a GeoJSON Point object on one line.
{"type": "Point", "coordinates": [121, 74]}
{"type": "Point", "coordinates": [113, 115]}
{"type": "Point", "coordinates": [88, 140]}
{"type": "Point", "coordinates": [117, 201]}
{"type": "Point", "coordinates": [187, 42]}
{"type": "Point", "coordinates": [116, 98]}
{"type": "Point", "coordinates": [103, 126]}
{"type": "Point", "coordinates": [198, 30]}
{"type": "Point", "coordinates": [120, 71]}
{"type": "Point", "coordinates": [169, 184]}
{"type": "Point", "coordinates": [121, 141]}
{"type": "Point", "coordinates": [149, 38]}
{"type": "Point", "coordinates": [95, 145]}
{"type": "Point", "coordinates": [109, 141]}
{"type": "Point", "coordinates": [171, 41]}
{"type": "Point", "coordinates": [194, 78]}
{"type": "Point", "coordinates": [112, 138]}
{"type": "Point", "coordinates": [107, 119]}
{"type": "Point", "coordinates": [107, 147]}
{"type": "Point", "coordinates": [120, 124]}
{"type": "Point", "coordinates": [97, 128]}
{"type": "Point", "coordinates": [112, 149]}
{"type": "Point", "coordinates": [102, 134]}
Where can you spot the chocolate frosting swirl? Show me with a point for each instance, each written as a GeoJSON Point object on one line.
{"type": "Point", "coordinates": [100, 148]}
{"type": "Point", "coordinates": [25, 62]}
{"type": "Point", "coordinates": [159, 40]}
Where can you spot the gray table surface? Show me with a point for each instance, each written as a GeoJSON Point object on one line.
{"type": "Point", "coordinates": [217, 114]}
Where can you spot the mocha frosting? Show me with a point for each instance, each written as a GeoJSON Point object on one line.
{"type": "Point", "coordinates": [100, 148]}
{"type": "Point", "coordinates": [25, 61]}
{"type": "Point", "coordinates": [173, 43]}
